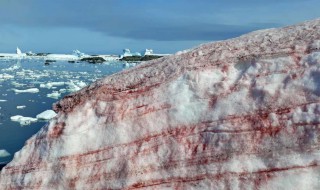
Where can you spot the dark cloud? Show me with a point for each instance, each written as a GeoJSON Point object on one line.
{"type": "Point", "coordinates": [141, 23]}
{"type": "Point", "coordinates": [151, 20]}
{"type": "Point", "coordinates": [191, 31]}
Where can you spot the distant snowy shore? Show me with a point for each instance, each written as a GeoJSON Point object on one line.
{"type": "Point", "coordinates": [79, 56]}
{"type": "Point", "coordinates": [57, 57]}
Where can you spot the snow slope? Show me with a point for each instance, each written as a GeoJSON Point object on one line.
{"type": "Point", "coordinates": [236, 114]}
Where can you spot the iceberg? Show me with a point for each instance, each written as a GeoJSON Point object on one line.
{"type": "Point", "coordinates": [6, 76]}
{"type": "Point", "coordinates": [23, 120]}
{"type": "Point", "coordinates": [4, 153]}
{"type": "Point", "coordinates": [21, 107]}
{"type": "Point", "coordinates": [46, 115]}
{"type": "Point", "coordinates": [54, 95]}
{"type": "Point", "coordinates": [18, 51]}
{"type": "Point", "coordinates": [30, 90]}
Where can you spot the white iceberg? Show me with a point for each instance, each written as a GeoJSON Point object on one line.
{"type": "Point", "coordinates": [46, 115]}
{"type": "Point", "coordinates": [54, 95]}
{"type": "Point", "coordinates": [51, 84]}
{"type": "Point", "coordinates": [17, 85]}
{"type": "Point", "coordinates": [79, 53]}
{"type": "Point", "coordinates": [12, 68]}
{"type": "Point", "coordinates": [21, 107]}
{"type": "Point", "coordinates": [23, 120]}
{"type": "Point", "coordinates": [63, 90]}
{"type": "Point", "coordinates": [75, 86]}
{"type": "Point", "coordinates": [18, 51]}
{"type": "Point", "coordinates": [30, 90]}
{"type": "Point", "coordinates": [6, 76]}
{"type": "Point", "coordinates": [4, 153]}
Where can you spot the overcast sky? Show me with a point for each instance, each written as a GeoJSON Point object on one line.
{"type": "Point", "coordinates": [108, 26]}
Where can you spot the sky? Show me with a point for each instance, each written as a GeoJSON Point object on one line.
{"type": "Point", "coordinates": [166, 26]}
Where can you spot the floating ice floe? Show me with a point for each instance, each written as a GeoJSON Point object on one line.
{"type": "Point", "coordinates": [6, 76]}
{"type": "Point", "coordinates": [46, 115]}
{"type": "Point", "coordinates": [51, 84]}
{"type": "Point", "coordinates": [12, 68]}
{"type": "Point", "coordinates": [3, 100]}
{"type": "Point", "coordinates": [23, 120]}
{"type": "Point", "coordinates": [129, 64]}
{"type": "Point", "coordinates": [54, 95]}
{"type": "Point", "coordinates": [63, 90]}
{"type": "Point", "coordinates": [21, 107]}
{"type": "Point", "coordinates": [4, 153]}
{"type": "Point", "coordinates": [30, 90]}
{"type": "Point", "coordinates": [75, 85]}
{"type": "Point", "coordinates": [16, 84]}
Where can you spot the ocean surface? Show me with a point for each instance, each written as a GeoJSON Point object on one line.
{"type": "Point", "coordinates": [19, 81]}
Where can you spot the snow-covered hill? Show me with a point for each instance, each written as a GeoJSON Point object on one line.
{"type": "Point", "coordinates": [236, 114]}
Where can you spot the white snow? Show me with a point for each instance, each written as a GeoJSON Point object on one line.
{"type": "Point", "coordinates": [62, 57]}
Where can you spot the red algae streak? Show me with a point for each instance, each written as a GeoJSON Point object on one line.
{"type": "Point", "coordinates": [236, 114]}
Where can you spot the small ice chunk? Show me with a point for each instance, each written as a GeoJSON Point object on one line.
{"type": "Point", "coordinates": [72, 87]}
{"type": "Point", "coordinates": [17, 85]}
{"type": "Point", "coordinates": [6, 76]}
{"type": "Point", "coordinates": [81, 84]}
{"type": "Point", "coordinates": [44, 86]}
{"type": "Point", "coordinates": [23, 120]}
{"type": "Point", "coordinates": [12, 68]}
{"type": "Point", "coordinates": [4, 153]}
{"type": "Point", "coordinates": [21, 107]}
{"type": "Point", "coordinates": [57, 83]}
{"type": "Point", "coordinates": [50, 85]}
{"type": "Point", "coordinates": [63, 90]}
{"type": "Point", "coordinates": [54, 95]}
{"type": "Point", "coordinates": [30, 90]}
{"type": "Point", "coordinates": [46, 115]}
{"type": "Point", "coordinates": [3, 100]}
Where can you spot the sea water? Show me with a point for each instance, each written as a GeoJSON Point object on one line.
{"type": "Point", "coordinates": [29, 87]}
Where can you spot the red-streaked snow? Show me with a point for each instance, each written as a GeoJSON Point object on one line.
{"type": "Point", "coordinates": [236, 114]}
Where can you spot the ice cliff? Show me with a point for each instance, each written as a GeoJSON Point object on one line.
{"type": "Point", "coordinates": [237, 114]}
